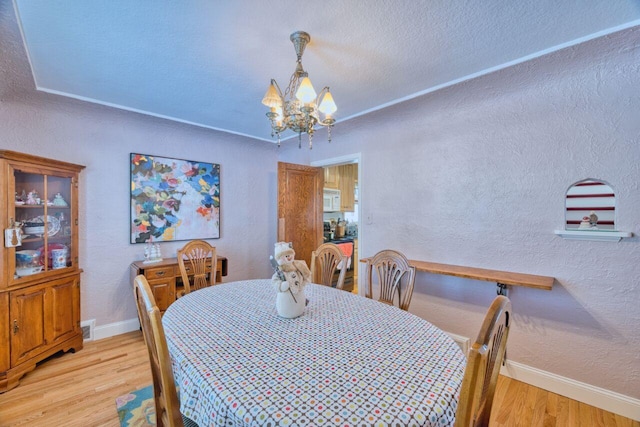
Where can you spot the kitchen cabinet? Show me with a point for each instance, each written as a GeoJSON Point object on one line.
{"type": "Point", "coordinates": [346, 184]}
{"type": "Point", "coordinates": [40, 281]}
{"type": "Point", "coordinates": [343, 178]}
{"type": "Point", "coordinates": [331, 177]}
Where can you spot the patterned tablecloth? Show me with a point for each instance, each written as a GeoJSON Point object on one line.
{"type": "Point", "coordinates": [347, 361]}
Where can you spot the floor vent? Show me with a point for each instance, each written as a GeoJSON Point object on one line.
{"type": "Point", "coordinates": [87, 329]}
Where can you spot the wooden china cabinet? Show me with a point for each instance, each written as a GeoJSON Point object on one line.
{"type": "Point", "coordinates": [40, 281]}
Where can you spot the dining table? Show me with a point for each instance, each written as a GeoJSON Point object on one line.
{"type": "Point", "coordinates": [346, 361]}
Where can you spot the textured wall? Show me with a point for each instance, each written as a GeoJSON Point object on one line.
{"type": "Point", "coordinates": [101, 138]}
{"type": "Point", "coordinates": [472, 175]}
{"type": "Point", "coordinates": [476, 175]}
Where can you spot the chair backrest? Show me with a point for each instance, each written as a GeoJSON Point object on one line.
{"type": "Point", "coordinates": [483, 366]}
{"type": "Point", "coordinates": [395, 278]}
{"type": "Point", "coordinates": [324, 263]}
{"type": "Point", "coordinates": [197, 259]}
{"type": "Point", "coordinates": [164, 388]}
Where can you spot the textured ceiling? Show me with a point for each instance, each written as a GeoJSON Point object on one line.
{"type": "Point", "coordinates": [209, 62]}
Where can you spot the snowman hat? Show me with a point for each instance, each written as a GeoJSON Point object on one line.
{"type": "Point", "coordinates": [282, 249]}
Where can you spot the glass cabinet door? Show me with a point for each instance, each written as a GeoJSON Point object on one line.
{"type": "Point", "coordinates": [42, 214]}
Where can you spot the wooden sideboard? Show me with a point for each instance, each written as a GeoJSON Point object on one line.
{"type": "Point", "coordinates": [165, 280]}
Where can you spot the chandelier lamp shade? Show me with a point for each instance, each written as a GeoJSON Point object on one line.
{"type": "Point", "coordinates": [299, 108]}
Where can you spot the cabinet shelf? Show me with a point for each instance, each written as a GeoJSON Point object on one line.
{"type": "Point", "coordinates": [42, 207]}
{"type": "Point", "coordinates": [594, 235]}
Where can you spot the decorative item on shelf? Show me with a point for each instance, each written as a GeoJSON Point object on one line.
{"type": "Point", "coordinates": [290, 278]}
{"type": "Point", "coordinates": [36, 226]}
{"type": "Point", "coordinates": [58, 200]}
{"type": "Point", "coordinates": [152, 253]}
{"type": "Point", "coordinates": [59, 258]}
{"type": "Point", "coordinates": [585, 223]}
{"type": "Point", "coordinates": [593, 219]}
{"type": "Point", "coordinates": [51, 247]}
{"type": "Point", "coordinates": [64, 223]}
{"type": "Point", "coordinates": [28, 262]}
{"type": "Point", "coordinates": [298, 107]}
{"type": "Point", "coordinates": [20, 198]}
{"type": "Point", "coordinates": [33, 198]}
{"type": "Point", "coordinates": [13, 235]}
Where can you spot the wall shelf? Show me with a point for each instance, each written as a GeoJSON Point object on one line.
{"type": "Point", "coordinates": [502, 278]}
{"type": "Point", "coordinates": [594, 235]}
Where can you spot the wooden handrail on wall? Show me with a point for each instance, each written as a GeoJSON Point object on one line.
{"type": "Point", "coordinates": [502, 278]}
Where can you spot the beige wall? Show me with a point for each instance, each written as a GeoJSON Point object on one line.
{"type": "Point", "coordinates": [102, 138]}
{"type": "Point", "coordinates": [476, 175]}
{"type": "Point", "coordinates": [471, 175]}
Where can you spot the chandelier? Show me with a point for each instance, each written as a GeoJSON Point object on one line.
{"type": "Point", "coordinates": [299, 108]}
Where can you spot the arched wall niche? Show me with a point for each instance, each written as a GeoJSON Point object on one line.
{"type": "Point", "coordinates": [590, 212]}
{"type": "Point", "coordinates": [590, 204]}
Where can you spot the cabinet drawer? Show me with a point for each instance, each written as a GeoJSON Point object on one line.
{"type": "Point", "coordinates": [159, 273]}
{"type": "Point", "coordinates": [188, 268]}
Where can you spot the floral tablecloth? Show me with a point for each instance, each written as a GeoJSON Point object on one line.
{"type": "Point", "coordinates": [348, 361]}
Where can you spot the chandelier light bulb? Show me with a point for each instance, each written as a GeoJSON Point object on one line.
{"type": "Point", "coordinates": [306, 94]}
{"type": "Point", "coordinates": [272, 99]}
{"type": "Point", "coordinates": [327, 106]}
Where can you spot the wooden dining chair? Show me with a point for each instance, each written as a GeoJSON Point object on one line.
{"type": "Point", "coordinates": [164, 388]}
{"type": "Point", "coordinates": [324, 263]}
{"type": "Point", "coordinates": [395, 278]}
{"type": "Point", "coordinates": [197, 259]}
{"type": "Point", "coordinates": [483, 366]}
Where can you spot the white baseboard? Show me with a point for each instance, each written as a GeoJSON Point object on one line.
{"type": "Point", "coordinates": [116, 328]}
{"type": "Point", "coordinates": [595, 396]}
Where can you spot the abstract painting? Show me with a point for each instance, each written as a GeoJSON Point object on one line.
{"type": "Point", "coordinates": [173, 199]}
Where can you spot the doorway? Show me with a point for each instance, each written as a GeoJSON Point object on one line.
{"type": "Point", "coordinates": [342, 223]}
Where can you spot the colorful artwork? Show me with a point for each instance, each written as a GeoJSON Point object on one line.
{"type": "Point", "coordinates": [173, 199]}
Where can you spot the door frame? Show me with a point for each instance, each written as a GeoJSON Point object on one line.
{"type": "Point", "coordinates": [335, 161]}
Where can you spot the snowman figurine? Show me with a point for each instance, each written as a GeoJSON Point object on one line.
{"type": "Point", "coordinates": [289, 280]}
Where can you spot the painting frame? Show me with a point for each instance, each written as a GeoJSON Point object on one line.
{"type": "Point", "coordinates": [173, 199]}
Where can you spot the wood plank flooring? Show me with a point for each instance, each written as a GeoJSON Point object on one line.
{"type": "Point", "coordinates": [80, 389]}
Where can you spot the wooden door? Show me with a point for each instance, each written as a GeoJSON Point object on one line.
{"type": "Point", "coordinates": [300, 208]}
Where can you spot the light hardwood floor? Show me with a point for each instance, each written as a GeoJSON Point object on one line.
{"type": "Point", "coordinates": [80, 389]}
